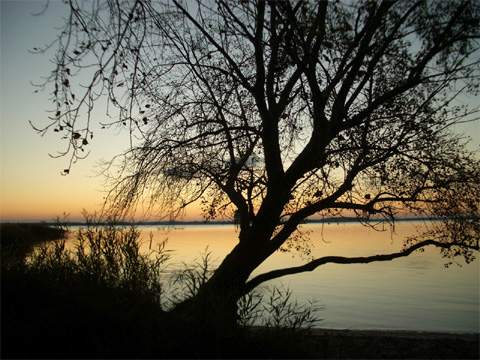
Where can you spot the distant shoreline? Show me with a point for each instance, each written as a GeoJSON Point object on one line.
{"type": "Point", "coordinates": [333, 220]}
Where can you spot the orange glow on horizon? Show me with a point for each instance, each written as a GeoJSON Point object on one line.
{"type": "Point", "coordinates": [45, 206]}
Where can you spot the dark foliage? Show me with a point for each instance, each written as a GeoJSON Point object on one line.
{"type": "Point", "coordinates": [58, 303]}
{"type": "Point", "coordinates": [75, 318]}
{"type": "Point", "coordinates": [103, 300]}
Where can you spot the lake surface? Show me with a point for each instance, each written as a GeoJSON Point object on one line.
{"type": "Point", "coordinates": [412, 293]}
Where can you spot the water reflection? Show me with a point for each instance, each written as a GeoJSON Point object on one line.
{"type": "Point", "coordinates": [414, 293]}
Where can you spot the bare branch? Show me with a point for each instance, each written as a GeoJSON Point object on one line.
{"type": "Point", "coordinates": [312, 265]}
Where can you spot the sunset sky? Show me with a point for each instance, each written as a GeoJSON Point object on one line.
{"type": "Point", "coordinates": [32, 187]}
{"type": "Point", "coordinates": [31, 184]}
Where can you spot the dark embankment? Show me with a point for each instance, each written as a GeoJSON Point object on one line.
{"type": "Point", "coordinates": [107, 303]}
{"type": "Point", "coordinates": [16, 240]}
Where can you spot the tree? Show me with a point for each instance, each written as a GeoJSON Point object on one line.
{"type": "Point", "coordinates": [274, 111]}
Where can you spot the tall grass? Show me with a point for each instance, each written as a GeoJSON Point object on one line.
{"type": "Point", "coordinates": [186, 281]}
{"type": "Point", "coordinates": [275, 307]}
{"type": "Point", "coordinates": [271, 307]}
{"type": "Point", "coordinates": [107, 255]}
{"type": "Point", "coordinates": [103, 297]}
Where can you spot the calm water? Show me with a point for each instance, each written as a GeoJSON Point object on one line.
{"type": "Point", "coordinates": [412, 293]}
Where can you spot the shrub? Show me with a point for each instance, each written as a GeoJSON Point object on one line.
{"type": "Point", "coordinates": [104, 298]}
{"type": "Point", "coordinates": [106, 255]}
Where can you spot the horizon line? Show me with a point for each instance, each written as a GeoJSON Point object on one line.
{"type": "Point", "coordinates": [217, 222]}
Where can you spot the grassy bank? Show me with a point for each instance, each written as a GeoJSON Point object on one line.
{"type": "Point", "coordinates": [107, 300]}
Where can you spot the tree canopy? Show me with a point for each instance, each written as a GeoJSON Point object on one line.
{"type": "Point", "coordinates": [270, 112]}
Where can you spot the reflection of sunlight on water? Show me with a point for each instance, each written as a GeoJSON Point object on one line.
{"type": "Point", "coordinates": [415, 292]}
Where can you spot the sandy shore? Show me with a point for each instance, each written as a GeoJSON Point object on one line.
{"type": "Point", "coordinates": [389, 344]}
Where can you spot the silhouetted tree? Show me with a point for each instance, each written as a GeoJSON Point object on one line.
{"type": "Point", "coordinates": [273, 111]}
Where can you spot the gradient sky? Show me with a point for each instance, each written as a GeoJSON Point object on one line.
{"type": "Point", "coordinates": [31, 184]}
{"type": "Point", "coordinates": [31, 187]}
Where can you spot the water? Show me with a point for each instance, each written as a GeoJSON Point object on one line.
{"type": "Point", "coordinates": [412, 293]}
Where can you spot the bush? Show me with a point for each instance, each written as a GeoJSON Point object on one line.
{"type": "Point", "coordinates": [104, 298]}
{"type": "Point", "coordinates": [108, 256]}
{"type": "Point", "coordinates": [100, 298]}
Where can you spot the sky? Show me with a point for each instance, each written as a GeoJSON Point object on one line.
{"type": "Point", "coordinates": [31, 185]}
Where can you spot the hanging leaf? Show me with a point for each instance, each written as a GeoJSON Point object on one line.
{"type": "Point", "coordinates": [84, 142]}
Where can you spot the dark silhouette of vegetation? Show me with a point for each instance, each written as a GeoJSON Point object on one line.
{"type": "Point", "coordinates": [17, 240]}
{"type": "Point", "coordinates": [269, 112]}
{"type": "Point", "coordinates": [103, 299]}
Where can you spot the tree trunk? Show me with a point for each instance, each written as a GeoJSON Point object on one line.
{"type": "Point", "coordinates": [215, 305]}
